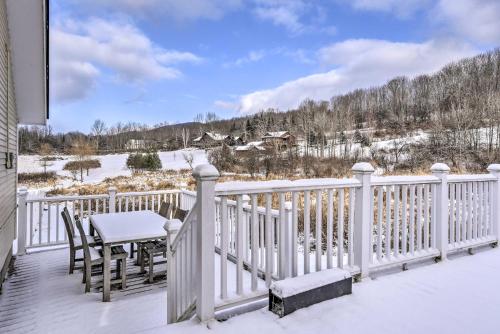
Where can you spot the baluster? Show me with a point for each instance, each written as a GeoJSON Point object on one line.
{"type": "Point", "coordinates": [480, 195]}
{"type": "Point", "coordinates": [469, 211]}
{"type": "Point", "coordinates": [434, 215]}
{"type": "Point", "coordinates": [380, 214]}
{"type": "Point", "coordinates": [388, 223]}
{"type": "Point", "coordinates": [262, 245]}
{"type": "Point", "coordinates": [31, 223]}
{"type": "Point", "coordinates": [372, 219]}
{"type": "Point", "coordinates": [65, 233]}
{"type": "Point", "coordinates": [464, 213]}
{"type": "Point", "coordinates": [48, 223]}
{"type": "Point", "coordinates": [255, 239]}
{"type": "Point", "coordinates": [140, 203]}
{"type": "Point", "coordinates": [89, 207]}
{"type": "Point", "coordinates": [490, 208]}
{"type": "Point", "coordinates": [269, 245]}
{"type": "Point", "coordinates": [412, 219]}
{"type": "Point", "coordinates": [340, 229]}
{"type": "Point", "coordinates": [283, 259]}
{"type": "Point", "coordinates": [57, 221]}
{"type": "Point", "coordinates": [426, 217]}
{"type": "Point", "coordinates": [239, 244]}
{"type": "Point", "coordinates": [40, 212]}
{"type": "Point", "coordinates": [475, 203]}
{"type": "Point", "coordinates": [452, 213]}
{"type": "Point", "coordinates": [404, 225]}
{"type": "Point", "coordinates": [329, 230]}
{"type": "Point", "coordinates": [307, 231]}
{"type": "Point", "coordinates": [295, 198]}
{"type": "Point", "coordinates": [319, 223]}
{"type": "Point", "coordinates": [350, 248]}
{"type": "Point", "coordinates": [224, 247]}
{"type": "Point", "coordinates": [126, 203]}
{"type": "Point", "coordinates": [396, 221]}
{"type": "Point", "coordinates": [419, 217]}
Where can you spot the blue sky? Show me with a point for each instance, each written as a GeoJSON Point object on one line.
{"type": "Point", "coordinates": [155, 61]}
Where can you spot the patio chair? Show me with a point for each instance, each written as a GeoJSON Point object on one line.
{"type": "Point", "coordinates": [164, 212]}
{"type": "Point", "coordinates": [150, 250]}
{"type": "Point", "coordinates": [94, 257]}
{"type": "Point", "coordinates": [75, 241]}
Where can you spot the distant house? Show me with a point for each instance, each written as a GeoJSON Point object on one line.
{"type": "Point", "coordinates": [212, 139]}
{"type": "Point", "coordinates": [238, 141]}
{"type": "Point", "coordinates": [250, 148]}
{"type": "Point", "coordinates": [138, 144]}
{"type": "Point", "coordinates": [280, 140]}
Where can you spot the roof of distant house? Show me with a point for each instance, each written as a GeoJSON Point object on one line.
{"type": "Point", "coordinates": [277, 134]}
{"type": "Point", "coordinates": [213, 135]}
{"type": "Point", "coordinates": [258, 145]}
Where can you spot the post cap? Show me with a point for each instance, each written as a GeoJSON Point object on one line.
{"type": "Point", "coordinates": [363, 168]}
{"type": "Point", "coordinates": [172, 225]}
{"type": "Point", "coordinates": [494, 168]}
{"type": "Point", "coordinates": [22, 190]}
{"type": "Point", "coordinates": [112, 189]}
{"type": "Point", "coordinates": [440, 168]}
{"type": "Point", "coordinates": [205, 171]}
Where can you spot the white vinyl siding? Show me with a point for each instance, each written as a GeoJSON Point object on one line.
{"type": "Point", "coordinates": [8, 142]}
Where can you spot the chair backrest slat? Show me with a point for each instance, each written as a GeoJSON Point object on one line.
{"type": "Point", "coordinates": [68, 224]}
{"type": "Point", "coordinates": [164, 209]}
{"type": "Point", "coordinates": [180, 214]}
{"type": "Point", "coordinates": [85, 244]}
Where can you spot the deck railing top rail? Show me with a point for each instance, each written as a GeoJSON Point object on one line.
{"type": "Point", "coordinates": [260, 187]}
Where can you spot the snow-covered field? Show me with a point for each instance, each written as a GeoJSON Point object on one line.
{"type": "Point", "coordinates": [112, 164]}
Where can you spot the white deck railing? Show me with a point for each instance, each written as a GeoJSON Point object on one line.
{"type": "Point", "coordinates": [276, 229]}
{"type": "Point", "coordinates": [40, 223]}
{"type": "Point", "coordinates": [264, 231]}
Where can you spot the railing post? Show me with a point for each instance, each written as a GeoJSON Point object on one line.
{"type": "Point", "coordinates": [362, 235]}
{"type": "Point", "coordinates": [172, 227]}
{"type": "Point", "coordinates": [112, 199]}
{"type": "Point", "coordinates": [22, 220]}
{"type": "Point", "coordinates": [441, 171]}
{"type": "Point", "coordinates": [494, 170]}
{"type": "Point", "coordinates": [206, 175]}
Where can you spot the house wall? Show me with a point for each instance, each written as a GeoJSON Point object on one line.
{"type": "Point", "coordinates": [8, 143]}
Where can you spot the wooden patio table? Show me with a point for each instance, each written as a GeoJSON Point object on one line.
{"type": "Point", "coordinates": [122, 228]}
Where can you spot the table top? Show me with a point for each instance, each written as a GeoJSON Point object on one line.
{"type": "Point", "coordinates": [124, 227]}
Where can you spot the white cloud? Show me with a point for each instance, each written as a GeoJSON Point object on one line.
{"type": "Point", "coordinates": [291, 14]}
{"type": "Point", "coordinates": [115, 46]}
{"type": "Point", "coordinates": [71, 80]}
{"type": "Point", "coordinates": [401, 8]}
{"type": "Point", "coordinates": [478, 20]}
{"type": "Point", "coordinates": [251, 57]}
{"type": "Point", "coordinates": [225, 105]}
{"type": "Point", "coordinates": [179, 10]}
{"type": "Point", "coordinates": [359, 63]}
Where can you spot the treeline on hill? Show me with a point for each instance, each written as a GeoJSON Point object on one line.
{"type": "Point", "coordinates": [459, 106]}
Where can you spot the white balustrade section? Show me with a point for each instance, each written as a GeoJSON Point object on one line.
{"type": "Point", "coordinates": [181, 271]}
{"type": "Point", "coordinates": [41, 225]}
{"type": "Point", "coordinates": [265, 231]}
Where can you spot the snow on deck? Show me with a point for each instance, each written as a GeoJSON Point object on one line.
{"type": "Point", "coordinates": [457, 296]}
{"type": "Point", "coordinates": [39, 296]}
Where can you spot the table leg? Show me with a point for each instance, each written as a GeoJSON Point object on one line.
{"type": "Point", "coordinates": [91, 229]}
{"type": "Point", "coordinates": [106, 284]}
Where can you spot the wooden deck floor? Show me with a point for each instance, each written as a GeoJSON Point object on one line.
{"type": "Point", "coordinates": [39, 296]}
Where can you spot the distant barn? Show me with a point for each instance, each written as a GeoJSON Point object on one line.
{"type": "Point", "coordinates": [280, 140]}
{"type": "Point", "coordinates": [212, 139]}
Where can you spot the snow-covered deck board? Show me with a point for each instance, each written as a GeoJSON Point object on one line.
{"type": "Point", "coordinates": [39, 296]}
